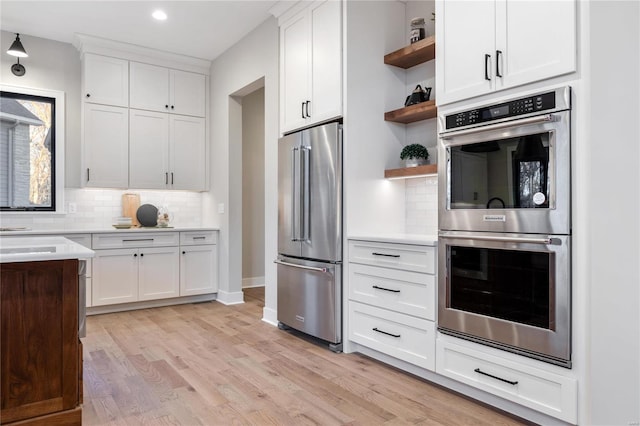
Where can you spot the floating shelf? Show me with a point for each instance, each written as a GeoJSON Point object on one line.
{"type": "Point", "coordinates": [410, 172]}
{"type": "Point", "coordinates": [412, 113]}
{"type": "Point", "coordinates": [414, 54]}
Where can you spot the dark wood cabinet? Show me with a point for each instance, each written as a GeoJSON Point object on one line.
{"type": "Point", "coordinates": [39, 344]}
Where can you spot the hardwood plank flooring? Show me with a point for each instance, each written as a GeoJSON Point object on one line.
{"type": "Point", "coordinates": [211, 364]}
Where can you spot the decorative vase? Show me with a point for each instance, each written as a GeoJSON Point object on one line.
{"type": "Point", "coordinates": [414, 162]}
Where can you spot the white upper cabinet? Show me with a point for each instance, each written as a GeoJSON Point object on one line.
{"type": "Point", "coordinates": [105, 80]}
{"type": "Point", "coordinates": [489, 45]}
{"type": "Point", "coordinates": [187, 152]}
{"type": "Point", "coordinates": [105, 147]}
{"type": "Point", "coordinates": [148, 149]}
{"type": "Point", "coordinates": [162, 89]}
{"type": "Point", "coordinates": [311, 66]}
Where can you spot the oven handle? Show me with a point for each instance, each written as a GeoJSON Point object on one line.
{"type": "Point", "coordinates": [546, 118]}
{"type": "Point", "coordinates": [543, 241]}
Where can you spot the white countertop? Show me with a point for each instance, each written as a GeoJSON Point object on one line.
{"type": "Point", "coordinates": [94, 230]}
{"type": "Point", "coordinates": [25, 249]}
{"type": "Point", "coordinates": [418, 239]}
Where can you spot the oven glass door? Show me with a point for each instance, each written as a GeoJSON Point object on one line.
{"type": "Point", "coordinates": [511, 291]}
{"type": "Point", "coordinates": [502, 173]}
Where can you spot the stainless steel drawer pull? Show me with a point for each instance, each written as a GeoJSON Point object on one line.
{"type": "Point", "coordinates": [384, 332]}
{"type": "Point", "coordinates": [477, 370]}
{"type": "Point", "coordinates": [137, 241]}
{"type": "Point", "coordinates": [199, 238]}
{"type": "Point", "coordinates": [386, 289]}
{"type": "Point", "coordinates": [385, 254]}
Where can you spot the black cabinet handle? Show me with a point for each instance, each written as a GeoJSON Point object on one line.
{"type": "Point", "coordinates": [166, 106]}
{"type": "Point", "coordinates": [171, 106]}
{"type": "Point", "coordinates": [477, 370]}
{"type": "Point", "coordinates": [87, 174]}
{"type": "Point", "coordinates": [88, 95]}
{"type": "Point", "coordinates": [171, 178]}
{"type": "Point", "coordinates": [307, 106]}
{"type": "Point", "coordinates": [498, 54]}
{"type": "Point", "coordinates": [487, 60]}
{"type": "Point", "coordinates": [141, 254]}
{"type": "Point", "coordinates": [135, 254]}
{"type": "Point", "coordinates": [384, 332]}
{"type": "Point", "coordinates": [302, 109]}
{"type": "Point", "coordinates": [184, 252]}
{"type": "Point", "coordinates": [385, 255]}
{"type": "Point", "coordinates": [386, 289]}
{"type": "Point", "coordinates": [166, 178]}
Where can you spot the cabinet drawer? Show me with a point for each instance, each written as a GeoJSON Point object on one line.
{"type": "Point", "coordinates": [132, 239]}
{"type": "Point", "coordinates": [401, 256]}
{"type": "Point", "coordinates": [196, 238]}
{"type": "Point", "coordinates": [535, 388]}
{"type": "Point", "coordinates": [411, 293]}
{"type": "Point", "coordinates": [401, 336]}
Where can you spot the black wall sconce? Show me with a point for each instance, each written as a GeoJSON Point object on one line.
{"type": "Point", "coordinates": [18, 51]}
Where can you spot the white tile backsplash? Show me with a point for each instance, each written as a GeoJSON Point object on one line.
{"type": "Point", "coordinates": [96, 209]}
{"type": "Point", "coordinates": [421, 205]}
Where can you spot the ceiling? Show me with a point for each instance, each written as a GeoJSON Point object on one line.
{"type": "Point", "coordinates": [201, 29]}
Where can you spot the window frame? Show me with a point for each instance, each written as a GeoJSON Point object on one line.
{"type": "Point", "coordinates": [58, 176]}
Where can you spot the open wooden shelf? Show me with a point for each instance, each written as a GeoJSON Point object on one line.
{"type": "Point", "coordinates": [417, 112]}
{"type": "Point", "coordinates": [414, 54]}
{"type": "Point", "coordinates": [409, 172]}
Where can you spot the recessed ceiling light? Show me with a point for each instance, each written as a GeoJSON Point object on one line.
{"type": "Point", "coordinates": [159, 15]}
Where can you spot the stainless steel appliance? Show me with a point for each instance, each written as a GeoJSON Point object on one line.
{"type": "Point", "coordinates": [507, 167]}
{"type": "Point", "coordinates": [310, 232]}
{"type": "Point", "coordinates": [504, 252]}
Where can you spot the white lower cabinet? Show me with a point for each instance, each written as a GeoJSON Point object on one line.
{"type": "Point", "coordinates": [539, 389]}
{"type": "Point", "coordinates": [198, 263]}
{"type": "Point", "coordinates": [391, 306]}
{"type": "Point", "coordinates": [115, 276]}
{"type": "Point", "coordinates": [158, 273]}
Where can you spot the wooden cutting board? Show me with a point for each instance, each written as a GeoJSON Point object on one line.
{"type": "Point", "coordinates": [130, 205]}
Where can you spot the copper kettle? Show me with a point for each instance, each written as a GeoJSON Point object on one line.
{"type": "Point", "coordinates": [418, 95]}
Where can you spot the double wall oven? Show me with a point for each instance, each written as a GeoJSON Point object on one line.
{"type": "Point", "coordinates": [505, 225]}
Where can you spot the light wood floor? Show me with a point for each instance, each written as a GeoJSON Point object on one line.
{"type": "Point", "coordinates": [210, 364]}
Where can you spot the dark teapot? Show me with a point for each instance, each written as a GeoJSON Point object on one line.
{"type": "Point", "coordinates": [418, 95]}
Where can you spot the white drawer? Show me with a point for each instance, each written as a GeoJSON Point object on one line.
{"type": "Point", "coordinates": [401, 256]}
{"type": "Point", "coordinates": [134, 239]}
{"type": "Point", "coordinates": [411, 293]}
{"type": "Point", "coordinates": [538, 389]}
{"type": "Point", "coordinates": [197, 238]}
{"type": "Point", "coordinates": [401, 336]}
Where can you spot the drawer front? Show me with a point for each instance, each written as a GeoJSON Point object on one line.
{"type": "Point", "coordinates": [538, 389]}
{"type": "Point", "coordinates": [411, 293]}
{"type": "Point", "coordinates": [197, 238]}
{"type": "Point", "coordinates": [400, 336]}
{"type": "Point", "coordinates": [130, 239]}
{"type": "Point", "coordinates": [400, 256]}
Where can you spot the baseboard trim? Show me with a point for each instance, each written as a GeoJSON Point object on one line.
{"type": "Point", "coordinates": [253, 282]}
{"type": "Point", "coordinates": [227, 298]}
{"type": "Point", "coordinates": [270, 316]}
{"type": "Point", "coordinates": [107, 309]}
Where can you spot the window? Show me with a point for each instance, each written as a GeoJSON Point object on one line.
{"type": "Point", "coordinates": [31, 154]}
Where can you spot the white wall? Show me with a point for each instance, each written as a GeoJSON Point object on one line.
{"type": "Point", "coordinates": [55, 66]}
{"type": "Point", "coordinates": [253, 259]}
{"type": "Point", "coordinates": [614, 214]}
{"type": "Point", "coordinates": [236, 73]}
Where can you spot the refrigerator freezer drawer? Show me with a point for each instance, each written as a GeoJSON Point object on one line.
{"type": "Point", "coordinates": [310, 297]}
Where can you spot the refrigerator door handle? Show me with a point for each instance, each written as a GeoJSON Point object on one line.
{"type": "Point", "coordinates": [294, 203]}
{"type": "Point", "coordinates": [310, 268]}
{"type": "Point", "coordinates": [306, 191]}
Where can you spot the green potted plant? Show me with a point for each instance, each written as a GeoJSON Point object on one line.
{"type": "Point", "coordinates": [414, 155]}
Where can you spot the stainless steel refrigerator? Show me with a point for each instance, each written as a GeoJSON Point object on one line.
{"type": "Point", "coordinates": [310, 232]}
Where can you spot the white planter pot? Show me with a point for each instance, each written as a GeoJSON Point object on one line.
{"type": "Point", "coordinates": [414, 162]}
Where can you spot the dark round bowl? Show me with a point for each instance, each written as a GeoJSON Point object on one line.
{"type": "Point", "coordinates": [147, 215]}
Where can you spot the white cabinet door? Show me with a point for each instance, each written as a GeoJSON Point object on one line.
{"type": "Point", "coordinates": [106, 146]}
{"type": "Point", "coordinates": [326, 61]}
{"type": "Point", "coordinates": [465, 34]}
{"type": "Point", "coordinates": [106, 80]}
{"type": "Point", "coordinates": [540, 53]}
{"type": "Point", "coordinates": [187, 152]}
{"type": "Point", "coordinates": [187, 93]}
{"type": "Point", "coordinates": [294, 72]}
{"type": "Point", "coordinates": [148, 149]}
{"type": "Point", "coordinates": [115, 276]}
{"type": "Point", "coordinates": [149, 87]}
{"type": "Point", "coordinates": [158, 273]}
{"type": "Point", "coordinates": [198, 270]}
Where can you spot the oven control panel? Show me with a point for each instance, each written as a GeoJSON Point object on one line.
{"type": "Point", "coordinates": [517, 107]}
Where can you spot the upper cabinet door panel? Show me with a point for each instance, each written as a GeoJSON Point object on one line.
{"type": "Point", "coordinates": [148, 149]}
{"type": "Point", "coordinates": [187, 93]}
{"type": "Point", "coordinates": [294, 71]}
{"type": "Point", "coordinates": [466, 35]}
{"type": "Point", "coordinates": [326, 61]}
{"type": "Point", "coordinates": [106, 80]}
{"type": "Point", "coordinates": [187, 152]}
{"type": "Point", "coordinates": [539, 52]}
{"type": "Point", "coordinates": [149, 87]}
